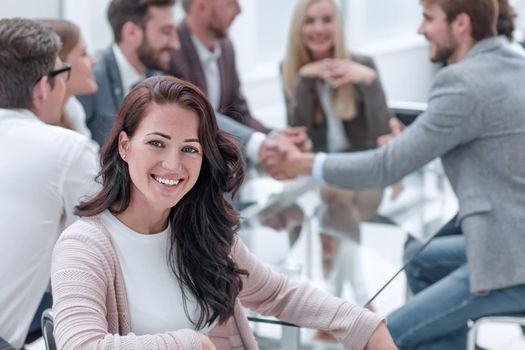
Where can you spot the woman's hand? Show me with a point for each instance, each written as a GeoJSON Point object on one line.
{"type": "Point", "coordinates": [318, 69]}
{"type": "Point", "coordinates": [339, 72]}
{"type": "Point", "coordinates": [206, 342]}
{"type": "Point", "coordinates": [346, 71]}
{"type": "Point", "coordinates": [381, 339]}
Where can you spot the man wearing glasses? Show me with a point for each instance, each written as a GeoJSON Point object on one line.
{"type": "Point", "coordinates": [45, 170]}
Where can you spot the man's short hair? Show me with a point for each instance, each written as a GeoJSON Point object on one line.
{"type": "Point", "coordinates": [29, 51]}
{"type": "Point", "coordinates": [506, 17]}
{"type": "Point", "coordinates": [483, 14]}
{"type": "Point", "coordinates": [136, 11]}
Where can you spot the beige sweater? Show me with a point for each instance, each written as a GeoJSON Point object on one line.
{"type": "Point", "coordinates": [91, 307]}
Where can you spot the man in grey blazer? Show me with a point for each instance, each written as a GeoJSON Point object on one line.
{"type": "Point", "coordinates": [475, 121]}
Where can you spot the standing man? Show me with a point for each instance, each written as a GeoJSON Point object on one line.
{"type": "Point", "coordinates": [207, 59]}
{"type": "Point", "coordinates": [145, 36]}
{"type": "Point", "coordinates": [475, 121]}
{"type": "Point", "coordinates": [46, 170]}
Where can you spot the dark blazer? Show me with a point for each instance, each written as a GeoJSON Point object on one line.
{"type": "Point", "coordinates": [185, 64]}
{"type": "Point", "coordinates": [101, 107]}
{"type": "Point", "coordinates": [370, 122]}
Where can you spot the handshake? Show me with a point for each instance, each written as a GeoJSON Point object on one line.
{"type": "Point", "coordinates": [285, 155]}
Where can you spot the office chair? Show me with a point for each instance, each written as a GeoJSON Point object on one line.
{"type": "Point", "coordinates": [47, 329]}
{"type": "Point", "coordinates": [473, 325]}
{"type": "Point", "coordinates": [406, 111]}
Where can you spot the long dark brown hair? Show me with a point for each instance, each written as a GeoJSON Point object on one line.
{"type": "Point", "coordinates": [203, 223]}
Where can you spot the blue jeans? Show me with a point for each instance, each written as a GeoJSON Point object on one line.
{"type": "Point", "coordinates": [436, 317]}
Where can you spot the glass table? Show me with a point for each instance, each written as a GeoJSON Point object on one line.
{"type": "Point", "coordinates": [351, 264]}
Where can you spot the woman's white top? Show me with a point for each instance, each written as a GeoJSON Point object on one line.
{"type": "Point", "coordinates": [337, 141]}
{"type": "Point", "coordinates": [77, 116]}
{"type": "Point", "coordinates": [154, 296]}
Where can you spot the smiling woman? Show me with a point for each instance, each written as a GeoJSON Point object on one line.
{"type": "Point", "coordinates": [155, 261]}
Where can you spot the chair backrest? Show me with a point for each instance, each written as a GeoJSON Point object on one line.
{"type": "Point", "coordinates": [407, 111]}
{"type": "Point", "coordinates": [47, 329]}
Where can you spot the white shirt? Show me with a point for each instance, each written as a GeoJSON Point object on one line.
{"type": "Point", "coordinates": [44, 172]}
{"type": "Point", "coordinates": [210, 65]}
{"type": "Point", "coordinates": [337, 139]}
{"type": "Point", "coordinates": [128, 74]}
{"type": "Point", "coordinates": [253, 146]}
{"type": "Point", "coordinates": [77, 116]}
{"type": "Point", "coordinates": [317, 168]}
{"type": "Point", "coordinates": [209, 61]}
{"type": "Point", "coordinates": [154, 296]}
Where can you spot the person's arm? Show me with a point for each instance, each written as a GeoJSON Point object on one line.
{"type": "Point", "coordinates": [273, 294]}
{"type": "Point", "coordinates": [451, 119]}
{"type": "Point", "coordinates": [240, 131]}
{"type": "Point", "coordinates": [237, 105]}
{"type": "Point", "coordinates": [81, 276]}
{"type": "Point", "coordinates": [77, 182]}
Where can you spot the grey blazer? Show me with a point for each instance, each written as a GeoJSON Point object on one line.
{"type": "Point", "coordinates": [475, 121]}
{"type": "Point", "coordinates": [101, 107]}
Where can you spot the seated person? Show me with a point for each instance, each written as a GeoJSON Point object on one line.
{"type": "Point", "coordinates": [46, 170]}
{"type": "Point", "coordinates": [81, 80]}
{"type": "Point", "coordinates": [338, 97]}
{"type": "Point", "coordinates": [475, 123]}
{"type": "Point", "coordinates": [155, 260]}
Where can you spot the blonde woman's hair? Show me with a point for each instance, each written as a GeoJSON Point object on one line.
{"type": "Point", "coordinates": [297, 55]}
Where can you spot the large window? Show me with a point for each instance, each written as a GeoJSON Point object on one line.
{"type": "Point", "coordinates": [383, 24]}
{"type": "Point", "coordinates": [371, 25]}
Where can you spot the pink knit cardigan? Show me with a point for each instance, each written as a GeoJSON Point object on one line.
{"type": "Point", "coordinates": [91, 307]}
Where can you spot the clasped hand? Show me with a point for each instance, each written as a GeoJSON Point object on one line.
{"type": "Point", "coordinates": [279, 157]}
{"type": "Point", "coordinates": [337, 72]}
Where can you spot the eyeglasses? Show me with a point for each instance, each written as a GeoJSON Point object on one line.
{"type": "Point", "coordinates": [65, 68]}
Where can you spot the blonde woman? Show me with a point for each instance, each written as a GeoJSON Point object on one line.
{"type": "Point", "coordinates": [337, 95]}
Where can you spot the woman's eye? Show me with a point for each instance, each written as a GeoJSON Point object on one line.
{"type": "Point", "coordinates": [327, 20]}
{"type": "Point", "coordinates": [190, 150]}
{"type": "Point", "coordinates": [155, 143]}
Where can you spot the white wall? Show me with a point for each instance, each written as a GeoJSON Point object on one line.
{"type": "Point", "coordinates": [90, 15]}
{"type": "Point", "coordinates": [30, 8]}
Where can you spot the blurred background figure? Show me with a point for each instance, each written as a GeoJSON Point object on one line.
{"type": "Point", "coordinates": [338, 97]}
{"type": "Point", "coordinates": [46, 170]}
{"type": "Point", "coordinates": [144, 35]}
{"type": "Point", "coordinates": [81, 81]}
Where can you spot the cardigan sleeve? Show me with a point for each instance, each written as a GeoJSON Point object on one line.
{"type": "Point", "coordinates": [272, 294]}
{"type": "Point", "coordinates": [83, 284]}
